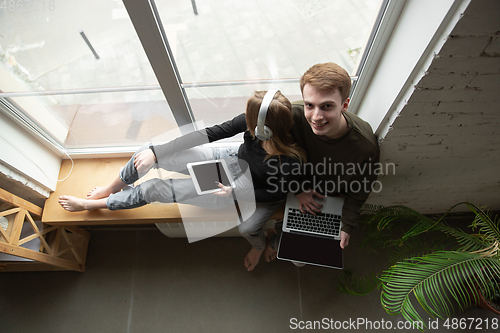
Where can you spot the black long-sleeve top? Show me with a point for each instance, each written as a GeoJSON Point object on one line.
{"type": "Point", "coordinates": [270, 177]}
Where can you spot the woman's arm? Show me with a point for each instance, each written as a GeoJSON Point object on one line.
{"type": "Point", "coordinates": [210, 134]}
{"type": "Point", "coordinates": [144, 160]}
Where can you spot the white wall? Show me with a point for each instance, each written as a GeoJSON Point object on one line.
{"type": "Point", "coordinates": [420, 32]}
{"type": "Point", "coordinates": [25, 159]}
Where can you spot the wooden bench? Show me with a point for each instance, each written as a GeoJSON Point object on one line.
{"type": "Point", "coordinates": [89, 173]}
{"type": "Point", "coordinates": [26, 245]}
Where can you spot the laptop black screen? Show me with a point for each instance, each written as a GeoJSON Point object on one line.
{"type": "Point", "coordinates": [314, 250]}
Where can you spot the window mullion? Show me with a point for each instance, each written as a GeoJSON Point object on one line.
{"type": "Point", "coordinates": [149, 29]}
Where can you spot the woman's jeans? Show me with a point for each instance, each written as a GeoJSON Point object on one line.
{"type": "Point", "coordinates": [254, 215]}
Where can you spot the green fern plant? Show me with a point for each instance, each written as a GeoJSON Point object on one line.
{"type": "Point", "coordinates": [444, 276]}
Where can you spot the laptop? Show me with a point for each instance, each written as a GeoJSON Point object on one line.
{"type": "Point", "coordinates": [312, 239]}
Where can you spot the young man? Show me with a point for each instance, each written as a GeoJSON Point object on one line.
{"type": "Point", "coordinates": [335, 139]}
{"type": "Point", "coordinates": [341, 149]}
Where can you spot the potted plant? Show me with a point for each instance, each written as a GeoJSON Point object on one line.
{"type": "Point", "coordinates": [492, 304]}
{"type": "Point", "coordinates": [440, 266]}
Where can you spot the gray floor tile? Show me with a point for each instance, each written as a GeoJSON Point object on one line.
{"type": "Point", "coordinates": [138, 280]}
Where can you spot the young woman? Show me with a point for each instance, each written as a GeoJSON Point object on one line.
{"type": "Point", "coordinates": [264, 165]}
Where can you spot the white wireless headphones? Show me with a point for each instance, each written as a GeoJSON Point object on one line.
{"type": "Point", "coordinates": [262, 132]}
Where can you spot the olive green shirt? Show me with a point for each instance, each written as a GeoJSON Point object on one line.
{"type": "Point", "coordinates": [345, 167]}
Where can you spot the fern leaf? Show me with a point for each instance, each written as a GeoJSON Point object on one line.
{"type": "Point", "coordinates": [438, 281]}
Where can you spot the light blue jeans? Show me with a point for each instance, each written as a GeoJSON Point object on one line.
{"type": "Point", "coordinates": [183, 190]}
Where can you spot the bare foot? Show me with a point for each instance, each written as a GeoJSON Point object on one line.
{"type": "Point", "coordinates": [252, 259]}
{"type": "Point", "coordinates": [72, 204]}
{"type": "Point", "coordinates": [103, 192]}
{"type": "Point", "coordinates": [98, 193]}
{"type": "Point", "coordinates": [269, 253]}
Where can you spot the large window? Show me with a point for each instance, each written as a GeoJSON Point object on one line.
{"type": "Point", "coordinates": [224, 42]}
{"type": "Point", "coordinates": [106, 74]}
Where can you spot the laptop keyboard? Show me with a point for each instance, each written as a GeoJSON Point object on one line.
{"type": "Point", "coordinates": [321, 223]}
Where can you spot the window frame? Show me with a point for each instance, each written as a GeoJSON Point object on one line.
{"type": "Point", "coordinates": [148, 26]}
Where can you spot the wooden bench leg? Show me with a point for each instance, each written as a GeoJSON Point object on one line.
{"type": "Point", "coordinates": [60, 247]}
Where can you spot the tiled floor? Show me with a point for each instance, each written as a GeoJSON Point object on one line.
{"type": "Point", "coordinates": [138, 280]}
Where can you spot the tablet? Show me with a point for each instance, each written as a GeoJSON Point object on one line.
{"type": "Point", "coordinates": [206, 175]}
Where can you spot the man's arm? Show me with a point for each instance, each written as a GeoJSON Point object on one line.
{"type": "Point", "coordinates": [344, 239]}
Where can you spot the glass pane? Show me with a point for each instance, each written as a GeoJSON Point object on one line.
{"type": "Point", "coordinates": [231, 40]}
{"type": "Point", "coordinates": [109, 119]}
{"type": "Point", "coordinates": [42, 42]}
{"type": "Point", "coordinates": [229, 101]}
{"type": "Point", "coordinates": [56, 46]}
{"type": "Point", "coordinates": [61, 45]}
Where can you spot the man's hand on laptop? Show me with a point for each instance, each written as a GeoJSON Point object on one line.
{"type": "Point", "coordinates": [307, 202]}
{"type": "Point", "coordinates": [344, 239]}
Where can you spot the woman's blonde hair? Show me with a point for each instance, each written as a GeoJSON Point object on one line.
{"type": "Point", "coordinates": [279, 119]}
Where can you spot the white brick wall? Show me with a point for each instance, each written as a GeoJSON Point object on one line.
{"type": "Point", "coordinates": [446, 140]}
